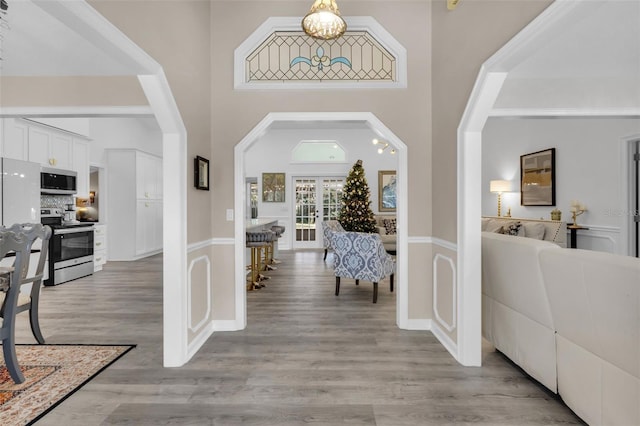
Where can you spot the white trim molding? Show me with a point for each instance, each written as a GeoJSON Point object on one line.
{"type": "Point", "coordinates": [454, 300]}
{"type": "Point", "coordinates": [207, 314]}
{"type": "Point", "coordinates": [564, 112]}
{"type": "Point", "coordinates": [354, 23]}
{"type": "Point", "coordinates": [419, 324]}
{"type": "Point", "coordinates": [445, 340]}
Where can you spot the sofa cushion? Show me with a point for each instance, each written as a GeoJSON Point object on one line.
{"type": "Point", "coordinates": [389, 226]}
{"type": "Point", "coordinates": [534, 230]}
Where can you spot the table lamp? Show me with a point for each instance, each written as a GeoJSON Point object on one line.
{"type": "Point", "coordinates": [498, 187]}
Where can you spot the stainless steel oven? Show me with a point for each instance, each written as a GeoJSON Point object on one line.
{"type": "Point", "coordinates": [70, 248]}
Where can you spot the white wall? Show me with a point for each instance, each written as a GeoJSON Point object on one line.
{"type": "Point", "coordinates": [134, 133]}
{"type": "Point", "coordinates": [588, 168]}
{"type": "Point", "coordinates": [266, 155]}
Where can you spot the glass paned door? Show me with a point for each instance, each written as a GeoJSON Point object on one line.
{"type": "Point", "coordinates": [317, 199]}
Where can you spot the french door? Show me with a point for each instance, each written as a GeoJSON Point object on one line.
{"type": "Point", "coordinates": [317, 199]}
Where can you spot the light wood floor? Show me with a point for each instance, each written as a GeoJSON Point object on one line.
{"type": "Point", "coordinates": [306, 357]}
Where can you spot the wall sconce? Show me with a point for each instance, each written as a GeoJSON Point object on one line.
{"type": "Point", "coordinates": [383, 146]}
{"type": "Point", "coordinates": [92, 197]}
{"type": "Point", "coordinates": [498, 187]}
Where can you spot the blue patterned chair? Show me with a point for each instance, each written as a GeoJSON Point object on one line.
{"type": "Point", "coordinates": [362, 257]}
{"type": "Point", "coordinates": [328, 228]}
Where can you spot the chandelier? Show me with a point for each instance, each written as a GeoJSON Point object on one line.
{"type": "Point", "coordinates": [324, 21]}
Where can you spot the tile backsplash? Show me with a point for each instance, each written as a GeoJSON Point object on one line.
{"type": "Point", "coordinates": [49, 201]}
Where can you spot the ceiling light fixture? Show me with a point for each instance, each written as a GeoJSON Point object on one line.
{"type": "Point", "coordinates": [324, 21]}
{"type": "Point", "coordinates": [383, 146]}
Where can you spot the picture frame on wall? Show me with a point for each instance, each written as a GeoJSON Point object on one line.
{"type": "Point", "coordinates": [273, 187]}
{"type": "Point", "coordinates": [387, 194]}
{"type": "Point", "coordinates": [538, 178]}
{"type": "Point", "coordinates": [201, 173]}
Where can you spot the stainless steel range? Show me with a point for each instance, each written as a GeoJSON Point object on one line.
{"type": "Point", "coordinates": [70, 247]}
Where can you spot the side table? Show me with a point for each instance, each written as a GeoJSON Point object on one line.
{"type": "Point", "coordinates": [574, 231]}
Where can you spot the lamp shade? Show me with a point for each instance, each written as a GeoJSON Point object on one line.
{"type": "Point", "coordinates": [500, 186]}
{"type": "Point", "coordinates": [324, 21]}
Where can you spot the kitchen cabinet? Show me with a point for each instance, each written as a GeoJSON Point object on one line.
{"type": "Point", "coordinates": [148, 226]}
{"type": "Point", "coordinates": [80, 157]}
{"type": "Point", "coordinates": [149, 179]}
{"type": "Point", "coordinates": [15, 139]}
{"type": "Point", "coordinates": [99, 246]}
{"type": "Point", "coordinates": [134, 204]}
{"type": "Point", "coordinates": [50, 148]}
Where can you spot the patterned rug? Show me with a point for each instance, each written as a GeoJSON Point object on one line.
{"type": "Point", "coordinates": [52, 373]}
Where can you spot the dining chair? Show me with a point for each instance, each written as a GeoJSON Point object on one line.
{"type": "Point", "coordinates": [16, 245]}
{"type": "Point", "coordinates": [31, 301]}
{"type": "Point", "coordinates": [361, 256]}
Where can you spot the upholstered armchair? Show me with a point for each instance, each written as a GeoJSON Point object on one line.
{"type": "Point", "coordinates": [362, 257]}
{"type": "Point", "coordinates": [328, 228]}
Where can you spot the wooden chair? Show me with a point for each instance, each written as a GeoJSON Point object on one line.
{"type": "Point", "coordinates": [30, 302]}
{"type": "Point", "coordinates": [11, 243]}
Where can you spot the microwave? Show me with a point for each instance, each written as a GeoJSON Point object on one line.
{"type": "Point", "coordinates": [57, 181]}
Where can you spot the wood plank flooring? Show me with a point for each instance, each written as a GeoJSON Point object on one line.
{"type": "Point", "coordinates": [306, 357]}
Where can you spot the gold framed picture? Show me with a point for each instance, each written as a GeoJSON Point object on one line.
{"type": "Point", "coordinates": [273, 187]}
{"type": "Point", "coordinates": [387, 190]}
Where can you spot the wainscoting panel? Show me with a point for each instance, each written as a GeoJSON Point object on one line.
{"type": "Point", "coordinates": [199, 293]}
{"type": "Point", "coordinates": [599, 238]}
{"type": "Point", "coordinates": [444, 292]}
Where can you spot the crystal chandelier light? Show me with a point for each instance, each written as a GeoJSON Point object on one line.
{"type": "Point", "coordinates": [324, 21]}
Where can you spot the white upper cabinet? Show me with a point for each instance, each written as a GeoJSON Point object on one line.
{"type": "Point", "coordinates": [15, 139]}
{"type": "Point", "coordinates": [50, 148]}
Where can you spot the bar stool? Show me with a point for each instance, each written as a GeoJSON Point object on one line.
{"type": "Point", "coordinates": [256, 241]}
{"type": "Point", "coordinates": [278, 230]}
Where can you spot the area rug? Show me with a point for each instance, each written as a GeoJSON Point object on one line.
{"type": "Point", "coordinates": [52, 373]}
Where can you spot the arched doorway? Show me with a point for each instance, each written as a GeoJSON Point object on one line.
{"type": "Point", "coordinates": [240, 202]}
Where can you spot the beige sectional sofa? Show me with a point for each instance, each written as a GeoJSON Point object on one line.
{"type": "Point", "coordinates": [570, 318]}
{"type": "Point", "coordinates": [388, 239]}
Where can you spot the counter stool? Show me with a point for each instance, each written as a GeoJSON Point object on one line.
{"type": "Point", "coordinates": [256, 241]}
{"type": "Point", "coordinates": [278, 230]}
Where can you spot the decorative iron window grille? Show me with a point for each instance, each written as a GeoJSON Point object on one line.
{"type": "Point", "coordinates": [294, 56]}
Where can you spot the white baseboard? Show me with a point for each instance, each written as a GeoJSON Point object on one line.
{"type": "Point", "coordinates": [200, 340]}
{"type": "Point", "coordinates": [418, 324]}
{"type": "Point", "coordinates": [446, 341]}
{"type": "Point", "coordinates": [207, 331]}
{"type": "Point", "coordinates": [225, 325]}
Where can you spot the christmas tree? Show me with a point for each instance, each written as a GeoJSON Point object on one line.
{"type": "Point", "coordinates": [355, 214]}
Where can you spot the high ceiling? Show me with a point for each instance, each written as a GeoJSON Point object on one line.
{"type": "Point", "coordinates": [601, 49]}
{"type": "Point", "coordinates": [34, 43]}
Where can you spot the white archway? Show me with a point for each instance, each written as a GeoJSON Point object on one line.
{"type": "Point", "coordinates": [402, 299]}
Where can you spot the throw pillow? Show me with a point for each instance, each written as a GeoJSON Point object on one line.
{"type": "Point", "coordinates": [494, 226]}
{"type": "Point", "coordinates": [534, 230]}
{"type": "Point", "coordinates": [390, 226]}
{"type": "Point", "coordinates": [513, 228]}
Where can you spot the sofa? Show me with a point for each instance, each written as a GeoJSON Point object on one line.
{"type": "Point", "coordinates": [540, 229]}
{"type": "Point", "coordinates": [516, 316]}
{"type": "Point", "coordinates": [595, 304]}
{"type": "Point", "coordinates": [387, 229]}
{"type": "Point", "coordinates": [570, 318]}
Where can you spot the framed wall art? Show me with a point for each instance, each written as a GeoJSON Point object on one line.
{"type": "Point", "coordinates": [273, 187]}
{"type": "Point", "coordinates": [537, 178]}
{"type": "Point", "coordinates": [201, 173]}
{"type": "Point", "coordinates": [387, 190]}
